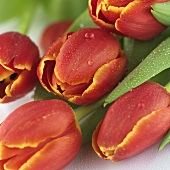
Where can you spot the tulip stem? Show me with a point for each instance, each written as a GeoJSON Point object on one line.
{"type": "Point", "coordinates": [89, 123]}
{"type": "Point", "coordinates": [27, 17]}
{"type": "Point", "coordinates": [85, 110]}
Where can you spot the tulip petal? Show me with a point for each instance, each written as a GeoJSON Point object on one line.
{"type": "Point", "coordinates": [95, 144]}
{"type": "Point", "coordinates": [18, 55]}
{"type": "Point", "coordinates": [145, 133]}
{"type": "Point", "coordinates": [2, 164]}
{"type": "Point", "coordinates": [13, 49]}
{"type": "Point", "coordinates": [46, 65]}
{"type": "Point", "coordinates": [45, 131]}
{"type": "Point", "coordinates": [5, 72]}
{"type": "Point", "coordinates": [56, 154]}
{"type": "Point", "coordinates": [69, 67]}
{"type": "Point", "coordinates": [131, 18]}
{"type": "Point", "coordinates": [131, 108]}
{"type": "Point", "coordinates": [7, 152]}
{"type": "Point", "coordinates": [143, 25]}
{"type": "Point", "coordinates": [82, 44]}
{"type": "Point", "coordinates": [52, 33]}
{"type": "Point", "coordinates": [101, 83]}
{"type": "Point", "coordinates": [92, 4]}
{"type": "Point", "coordinates": [112, 13]}
{"type": "Point", "coordinates": [105, 13]}
{"type": "Point", "coordinates": [71, 91]}
{"type": "Point", "coordinates": [17, 159]}
{"type": "Point", "coordinates": [126, 112]}
{"type": "Point", "coordinates": [16, 88]}
{"type": "Point", "coordinates": [36, 125]}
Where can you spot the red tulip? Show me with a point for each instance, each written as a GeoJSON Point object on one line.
{"type": "Point", "coordinates": [19, 57]}
{"type": "Point", "coordinates": [82, 66]}
{"type": "Point", "coordinates": [39, 135]}
{"type": "Point", "coordinates": [135, 121]}
{"type": "Point", "coordinates": [52, 32]}
{"type": "Point", "coordinates": [132, 18]}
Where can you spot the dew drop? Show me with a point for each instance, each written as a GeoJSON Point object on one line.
{"type": "Point", "coordinates": [81, 25]}
{"type": "Point", "coordinates": [90, 62]}
{"type": "Point", "coordinates": [89, 35]}
{"type": "Point", "coordinates": [141, 105]}
{"type": "Point", "coordinates": [131, 90]}
{"type": "Point", "coordinates": [69, 36]}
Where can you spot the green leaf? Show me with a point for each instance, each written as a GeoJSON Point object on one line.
{"type": "Point", "coordinates": [165, 141]}
{"type": "Point", "coordinates": [43, 94]}
{"type": "Point", "coordinates": [157, 61]}
{"type": "Point", "coordinates": [161, 18]}
{"type": "Point", "coordinates": [162, 7]}
{"type": "Point", "coordinates": [83, 21]}
{"type": "Point", "coordinates": [64, 9]}
{"type": "Point", "coordinates": [136, 50]}
{"type": "Point", "coordinates": [13, 8]}
{"type": "Point", "coordinates": [161, 12]}
{"type": "Point", "coordinates": [162, 78]}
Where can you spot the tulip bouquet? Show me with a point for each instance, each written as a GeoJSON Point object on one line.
{"type": "Point", "coordinates": [99, 73]}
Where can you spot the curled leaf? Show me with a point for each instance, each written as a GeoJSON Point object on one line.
{"type": "Point", "coordinates": [161, 12]}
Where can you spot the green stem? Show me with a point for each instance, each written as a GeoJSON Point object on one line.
{"type": "Point", "coordinates": [89, 124]}
{"type": "Point", "coordinates": [85, 110]}
{"type": "Point", "coordinates": [27, 16]}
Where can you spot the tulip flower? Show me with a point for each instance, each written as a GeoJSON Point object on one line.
{"type": "Point", "coordinates": [132, 18]}
{"type": "Point", "coordinates": [52, 32]}
{"type": "Point", "coordinates": [39, 135]}
{"type": "Point", "coordinates": [19, 57]}
{"type": "Point", "coordinates": [82, 66]}
{"type": "Point", "coordinates": [135, 121]}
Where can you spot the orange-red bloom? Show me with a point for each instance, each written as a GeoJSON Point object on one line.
{"type": "Point", "coordinates": [39, 135]}
{"type": "Point", "coordinates": [134, 122]}
{"type": "Point", "coordinates": [52, 32]}
{"type": "Point", "coordinates": [19, 58]}
{"type": "Point", "coordinates": [132, 18]}
{"type": "Point", "coordinates": [82, 66]}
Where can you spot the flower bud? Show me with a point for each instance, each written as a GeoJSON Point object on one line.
{"type": "Point", "coordinates": [161, 11]}
{"type": "Point", "coordinates": [82, 66]}
{"type": "Point", "coordinates": [135, 121]}
{"type": "Point", "coordinates": [39, 135]}
{"type": "Point", "coordinates": [52, 32]}
{"type": "Point", "coordinates": [19, 58]}
{"type": "Point", "coordinates": [129, 18]}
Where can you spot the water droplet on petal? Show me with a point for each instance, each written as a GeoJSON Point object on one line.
{"type": "Point", "coordinates": [69, 36]}
{"type": "Point", "coordinates": [89, 35]}
{"type": "Point", "coordinates": [90, 62]}
{"type": "Point", "coordinates": [141, 105]}
{"type": "Point", "coordinates": [131, 90]}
